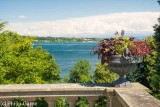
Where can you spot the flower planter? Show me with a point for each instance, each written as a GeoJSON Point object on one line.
{"type": "Point", "coordinates": [122, 66]}
{"type": "Point", "coordinates": [130, 53]}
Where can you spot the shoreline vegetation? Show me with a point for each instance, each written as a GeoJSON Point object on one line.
{"type": "Point", "coordinates": [64, 39]}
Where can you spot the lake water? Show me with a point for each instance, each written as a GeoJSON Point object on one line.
{"type": "Point", "coordinates": [67, 54]}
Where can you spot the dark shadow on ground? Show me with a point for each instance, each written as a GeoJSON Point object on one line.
{"type": "Point", "coordinates": [98, 85]}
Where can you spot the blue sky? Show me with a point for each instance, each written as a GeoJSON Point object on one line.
{"type": "Point", "coordinates": [62, 9]}
{"type": "Point", "coordinates": [32, 12]}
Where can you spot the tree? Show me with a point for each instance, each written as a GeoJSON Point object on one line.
{"type": "Point", "coordinates": [21, 63]}
{"type": "Point", "coordinates": [80, 73]}
{"type": "Point", "coordinates": [102, 74]}
{"type": "Point", "coordinates": [2, 25]}
{"type": "Point", "coordinates": [155, 80]}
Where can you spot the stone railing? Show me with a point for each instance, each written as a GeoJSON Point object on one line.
{"type": "Point", "coordinates": [135, 96]}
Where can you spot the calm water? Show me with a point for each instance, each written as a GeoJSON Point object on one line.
{"type": "Point", "coordinates": [67, 54]}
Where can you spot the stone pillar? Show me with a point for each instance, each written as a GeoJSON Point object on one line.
{"type": "Point", "coordinates": [92, 100]}
{"type": "Point", "coordinates": [72, 100]}
{"type": "Point", "coordinates": [109, 101]}
{"type": "Point", "coordinates": [50, 101]}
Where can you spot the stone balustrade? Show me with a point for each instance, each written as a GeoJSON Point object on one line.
{"type": "Point", "coordinates": [135, 96]}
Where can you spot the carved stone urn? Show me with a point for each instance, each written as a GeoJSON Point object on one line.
{"type": "Point", "coordinates": [123, 65]}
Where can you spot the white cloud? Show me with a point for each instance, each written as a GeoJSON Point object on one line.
{"type": "Point", "coordinates": [137, 23]}
{"type": "Point", "coordinates": [22, 17]}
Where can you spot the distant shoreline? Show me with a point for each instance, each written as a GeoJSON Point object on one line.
{"type": "Point", "coordinates": [68, 39]}
{"type": "Point", "coordinates": [64, 40]}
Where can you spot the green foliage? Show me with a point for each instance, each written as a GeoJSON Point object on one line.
{"type": "Point", "coordinates": [82, 102]}
{"type": "Point", "coordinates": [40, 102]}
{"type": "Point", "coordinates": [21, 63]}
{"type": "Point", "coordinates": [101, 102]}
{"type": "Point", "coordinates": [61, 102]}
{"type": "Point", "coordinates": [103, 75]}
{"type": "Point", "coordinates": [18, 102]}
{"type": "Point", "coordinates": [80, 73]}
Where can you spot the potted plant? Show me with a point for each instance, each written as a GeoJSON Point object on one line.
{"type": "Point", "coordinates": [122, 54]}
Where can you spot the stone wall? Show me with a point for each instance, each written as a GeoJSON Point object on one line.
{"type": "Point", "coordinates": [135, 96]}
